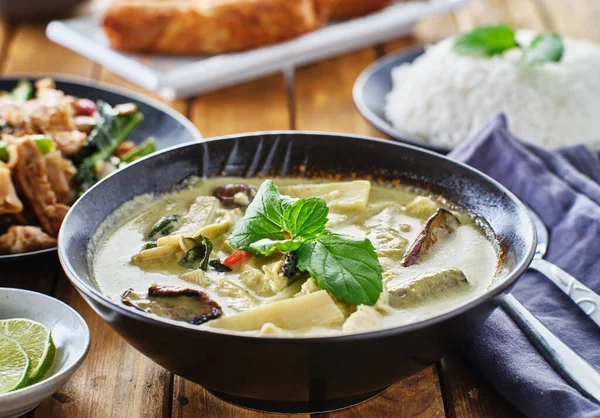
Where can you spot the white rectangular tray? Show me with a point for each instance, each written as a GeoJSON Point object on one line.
{"type": "Point", "coordinates": [177, 76]}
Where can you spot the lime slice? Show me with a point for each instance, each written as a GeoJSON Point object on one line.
{"type": "Point", "coordinates": [37, 342]}
{"type": "Point", "coordinates": [14, 365]}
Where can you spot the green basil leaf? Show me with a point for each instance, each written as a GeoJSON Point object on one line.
{"type": "Point", "coordinates": [486, 40]}
{"type": "Point", "coordinates": [346, 267]}
{"type": "Point", "coordinates": [546, 47]}
{"type": "Point", "coordinates": [4, 156]}
{"type": "Point", "coordinates": [265, 218]}
{"type": "Point", "coordinates": [266, 247]}
{"type": "Point", "coordinates": [306, 218]}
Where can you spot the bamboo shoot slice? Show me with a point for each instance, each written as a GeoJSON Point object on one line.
{"type": "Point", "coordinates": [351, 195]}
{"type": "Point", "coordinates": [316, 309]}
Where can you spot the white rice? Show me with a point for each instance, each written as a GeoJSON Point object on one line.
{"type": "Point", "coordinates": [444, 98]}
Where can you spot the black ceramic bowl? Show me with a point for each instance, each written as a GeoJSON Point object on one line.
{"type": "Point", "coordinates": [168, 126]}
{"type": "Point", "coordinates": [303, 373]}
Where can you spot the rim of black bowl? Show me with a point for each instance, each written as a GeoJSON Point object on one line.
{"type": "Point", "coordinates": [502, 287]}
{"type": "Point", "coordinates": [111, 88]}
{"type": "Point", "coordinates": [358, 93]}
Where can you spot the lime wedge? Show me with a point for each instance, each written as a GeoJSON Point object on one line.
{"type": "Point", "coordinates": [14, 365]}
{"type": "Point", "coordinates": [37, 342]}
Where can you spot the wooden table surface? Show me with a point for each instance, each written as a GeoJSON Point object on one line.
{"type": "Point", "coordinates": [117, 381]}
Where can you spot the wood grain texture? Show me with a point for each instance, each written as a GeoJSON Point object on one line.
{"type": "Point", "coordinates": [478, 397]}
{"type": "Point", "coordinates": [323, 95]}
{"type": "Point", "coordinates": [31, 52]}
{"type": "Point", "coordinates": [419, 395]}
{"type": "Point", "coordinates": [191, 401]}
{"type": "Point", "coordinates": [258, 105]}
{"type": "Point", "coordinates": [182, 106]}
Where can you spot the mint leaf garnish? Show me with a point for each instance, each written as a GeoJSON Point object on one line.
{"type": "Point", "coordinates": [267, 247]}
{"type": "Point", "coordinates": [264, 218]}
{"type": "Point", "coordinates": [306, 218]}
{"type": "Point", "coordinates": [546, 47]}
{"type": "Point", "coordinates": [486, 40]}
{"type": "Point", "coordinates": [347, 268]}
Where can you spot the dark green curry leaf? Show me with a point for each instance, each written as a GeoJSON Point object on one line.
{"type": "Point", "coordinates": [346, 267]}
{"type": "Point", "coordinates": [546, 47]}
{"type": "Point", "coordinates": [218, 266]}
{"type": "Point", "coordinates": [306, 218]}
{"type": "Point", "coordinates": [264, 219]}
{"type": "Point", "coordinates": [164, 226]}
{"type": "Point", "coordinates": [486, 40]}
{"type": "Point", "coordinates": [198, 256]}
{"type": "Point", "coordinates": [267, 247]}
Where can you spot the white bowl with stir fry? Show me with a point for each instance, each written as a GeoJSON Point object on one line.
{"type": "Point", "coordinates": [59, 138]}
{"type": "Point", "coordinates": [346, 254]}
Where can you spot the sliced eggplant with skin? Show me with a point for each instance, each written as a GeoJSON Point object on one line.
{"type": "Point", "coordinates": [426, 286]}
{"type": "Point", "coordinates": [176, 303]}
{"type": "Point", "coordinates": [235, 195]}
{"type": "Point", "coordinates": [441, 222]}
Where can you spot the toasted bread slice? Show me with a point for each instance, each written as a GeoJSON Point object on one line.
{"type": "Point", "coordinates": [347, 9]}
{"type": "Point", "coordinates": [209, 26]}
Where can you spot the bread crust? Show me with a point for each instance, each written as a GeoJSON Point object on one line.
{"type": "Point", "coordinates": [209, 26]}
{"type": "Point", "coordinates": [347, 9]}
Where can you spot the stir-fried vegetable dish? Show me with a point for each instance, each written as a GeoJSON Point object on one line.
{"type": "Point", "coordinates": [53, 147]}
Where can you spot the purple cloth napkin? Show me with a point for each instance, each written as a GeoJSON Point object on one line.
{"type": "Point", "coordinates": [563, 186]}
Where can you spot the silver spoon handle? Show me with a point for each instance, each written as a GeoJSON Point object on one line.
{"type": "Point", "coordinates": [570, 365]}
{"type": "Point", "coordinates": [584, 297]}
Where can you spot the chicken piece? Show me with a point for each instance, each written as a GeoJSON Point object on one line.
{"type": "Point", "coordinates": [124, 148]}
{"type": "Point", "coordinates": [209, 26]}
{"type": "Point", "coordinates": [347, 9]}
{"type": "Point", "coordinates": [32, 179]}
{"type": "Point", "coordinates": [60, 175]}
{"type": "Point", "coordinates": [9, 201]}
{"type": "Point", "coordinates": [22, 239]}
{"type": "Point", "coordinates": [68, 142]}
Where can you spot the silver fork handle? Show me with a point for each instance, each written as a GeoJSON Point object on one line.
{"type": "Point", "coordinates": [584, 297]}
{"type": "Point", "coordinates": [570, 365]}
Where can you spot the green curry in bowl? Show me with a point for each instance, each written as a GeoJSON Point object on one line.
{"type": "Point", "coordinates": [293, 257]}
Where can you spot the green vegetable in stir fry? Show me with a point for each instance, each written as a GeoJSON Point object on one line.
{"type": "Point", "coordinates": [44, 143]}
{"type": "Point", "coordinates": [145, 148]}
{"type": "Point", "coordinates": [110, 131]}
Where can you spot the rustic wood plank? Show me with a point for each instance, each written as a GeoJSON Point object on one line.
{"type": "Point", "coordinates": [114, 381]}
{"type": "Point", "coordinates": [257, 105]}
{"type": "Point", "coordinates": [478, 398]}
{"type": "Point", "coordinates": [577, 18]}
{"type": "Point", "coordinates": [182, 106]}
{"type": "Point", "coordinates": [418, 395]}
{"type": "Point", "coordinates": [31, 52]}
{"type": "Point", "coordinates": [323, 95]}
{"type": "Point", "coordinates": [201, 403]}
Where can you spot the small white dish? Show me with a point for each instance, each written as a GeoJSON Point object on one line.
{"type": "Point", "coordinates": [71, 337]}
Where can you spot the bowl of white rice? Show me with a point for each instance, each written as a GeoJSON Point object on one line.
{"type": "Point", "coordinates": [440, 98]}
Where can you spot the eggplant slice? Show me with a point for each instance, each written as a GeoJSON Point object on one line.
{"type": "Point", "coordinates": [441, 221]}
{"type": "Point", "coordinates": [426, 286]}
{"type": "Point", "coordinates": [176, 303]}
{"type": "Point", "coordinates": [235, 195]}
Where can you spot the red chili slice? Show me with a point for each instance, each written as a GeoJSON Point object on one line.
{"type": "Point", "coordinates": [236, 258]}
